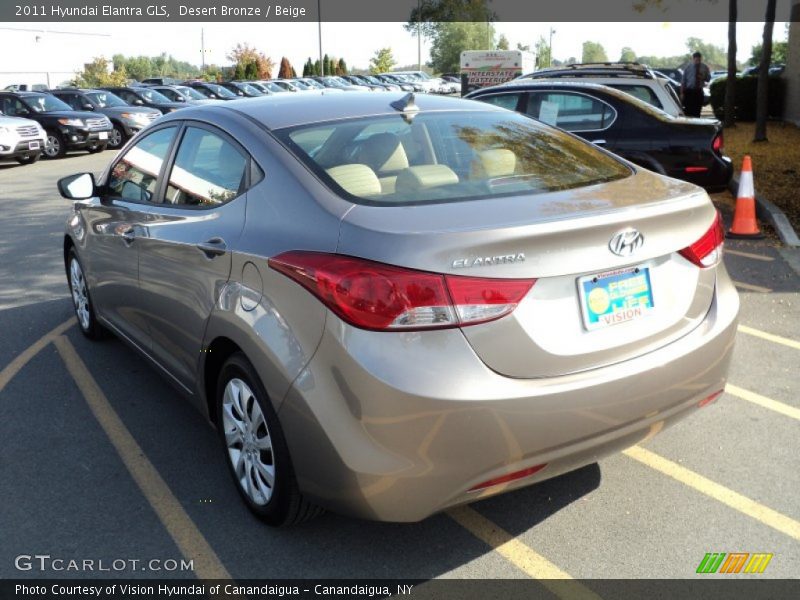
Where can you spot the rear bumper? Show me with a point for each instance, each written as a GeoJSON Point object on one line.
{"type": "Point", "coordinates": [715, 179]}
{"type": "Point", "coordinates": [398, 426]}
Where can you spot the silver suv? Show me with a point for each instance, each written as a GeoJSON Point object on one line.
{"type": "Point", "coordinates": [633, 78]}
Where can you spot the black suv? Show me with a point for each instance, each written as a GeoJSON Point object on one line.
{"type": "Point", "coordinates": [67, 129]}
{"type": "Point", "coordinates": [126, 120]}
{"type": "Point", "coordinates": [143, 96]}
{"type": "Point", "coordinates": [680, 147]}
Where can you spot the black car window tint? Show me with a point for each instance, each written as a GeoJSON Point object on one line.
{"type": "Point", "coordinates": [135, 176]}
{"type": "Point", "coordinates": [208, 170]}
{"type": "Point", "coordinates": [508, 101]}
{"type": "Point", "coordinates": [642, 92]}
{"type": "Point", "coordinates": [571, 112]}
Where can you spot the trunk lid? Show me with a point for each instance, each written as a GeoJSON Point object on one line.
{"type": "Point", "coordinates": [559, 238]}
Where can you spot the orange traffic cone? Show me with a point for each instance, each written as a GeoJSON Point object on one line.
{"type": "Point", "coordinates": [745, 224]}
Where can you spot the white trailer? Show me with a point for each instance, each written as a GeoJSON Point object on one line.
{"type": "Point", "coordinates": [481, 68]}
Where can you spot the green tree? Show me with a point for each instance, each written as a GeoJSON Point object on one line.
{"type": "Point", "coordinates": [593, 52]}
{"type": "Point", "coordinates": [542, 50]}
{"type": "Point", "coordinates": [627, 55]}
{"type": "Point", "coordinates": [341, 67]}
{"type": "Point", "coordinates": [317, 68]}
{"type": "Point", "coordinates": [450, 39]}
{"type": "Point", "coordinates": [382, 62]}
{"type": "Point", "coordinates": [99, 73]}
{"type": "Point", "coordinates": [251, 71]}
{"type": "Point", "coordinates": [502, 43]}
{"type": "Point", "coordinates": [525, 48]}
{"type": "Point", "coordinates": [326, 65]}
{"type": "Point", "coordinates": [712, 55]}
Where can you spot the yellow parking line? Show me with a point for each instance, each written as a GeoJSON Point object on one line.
{"type": "Point", "coordinates": [14, 367]}
{"type": "Point", "coordinates": [769, 337]}
{"type": "Point", "coordinates": [749, 255]}
{"type": "Point", "coordinates": [523, 557]}
{"type": "Point", "coordinates": [752, 288]}
{"type": "Point", "coordinates": [763, 401]}
{"type": "Point", "coordinates": [736, 501]}
{"type": "Point", "coordinates": [170, 512]}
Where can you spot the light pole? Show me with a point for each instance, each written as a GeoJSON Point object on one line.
{"type": "Point", "coordinates": [319, 16]}
{"type": "Point", "coordinates": [550, 48]}
{"type": "Point", "coordinates": [419, 35]}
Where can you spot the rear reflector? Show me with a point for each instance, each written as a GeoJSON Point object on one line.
{"type": "Point", "coordinates": [710, 399]}
{"type": "Point", "coordinates": [707, 251]}
{"type": "Point", "coordinates": [718, 143]}
{"type": "Point", "coordinates": [508, 478]}
{"type": "Point", "coordinates": [382, 297]}
{"type": "Point", "coordinates": [696, 169]}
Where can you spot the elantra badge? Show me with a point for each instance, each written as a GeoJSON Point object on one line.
{"type": "Point", "coordinates": [626, 242]}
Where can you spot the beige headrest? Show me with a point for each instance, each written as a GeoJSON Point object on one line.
{"type": "Point", "coordinates": [383, 152]}
{"type": "Point", "coordinates": [358, 180]}
{"type": "Point", "coordinates": [498, 162]}
{"type": "Point", "coordinates": [425, 176]}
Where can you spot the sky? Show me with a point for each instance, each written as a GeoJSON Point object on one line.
{"type": "Point", "coordinates": [66, 46]}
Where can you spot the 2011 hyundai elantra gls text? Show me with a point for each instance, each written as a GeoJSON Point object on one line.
{"type": "Point", "coordinates": [389, 305]}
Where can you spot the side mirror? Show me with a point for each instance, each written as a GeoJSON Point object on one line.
{"type": "Point", "coordinates": [22, 112]}
{"type": "Point", "coordinates": [181, 99]}
{"type": "Point", "coordinates": [138, 102]}
{"type": "Point", "coordinates": [88, 106]}
{"type": "Point", "coordinates": [77, 187]}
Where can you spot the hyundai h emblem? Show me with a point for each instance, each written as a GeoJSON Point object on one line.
{"type": "Point", "coordinates": [626, 242]}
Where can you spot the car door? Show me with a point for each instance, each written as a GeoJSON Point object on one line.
{"type": "Point", "coordinates": [184, 254]}
{"type": "Point", "coordinates": [115, 224]}
{"type": "Point", "coordinates": [579, 113]}
{"type": "Point", "coordinates": [75, 101]}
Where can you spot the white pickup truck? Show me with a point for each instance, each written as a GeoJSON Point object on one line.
{"type": "Point", "coordinates": [20, 139]}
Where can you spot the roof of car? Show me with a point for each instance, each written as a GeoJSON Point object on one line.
{"type": "Point", "coordinates": [285, 110]}
{"type": "Point", "coordinates": [569, 85]}
{"type": "Point", "coordinates": [607, 69]}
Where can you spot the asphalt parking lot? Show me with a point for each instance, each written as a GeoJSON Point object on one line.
{"type": "Point", "coordinates": [102, 460]}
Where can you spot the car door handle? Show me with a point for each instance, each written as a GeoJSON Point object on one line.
{"type": "Point", "coordinates": [213, 247]}
{"type": "Point", "coordinates": [599, 142]}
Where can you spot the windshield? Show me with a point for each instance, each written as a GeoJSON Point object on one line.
{"type": "Point", "coordinates": [272, 86]}
{"type": "Point", "coordinates": [44, 103]}
{"type": "Point", "coordinates": [220, 91]}
{"type": "Point", "coordinates": [313, 84]}
{"type": "Point", "coordinates": [152, 95]}
{"type": "Point", "coordinates": [447, 156]}
{"type": "Point", "coordinates": [249, 89]}
{"type": "Point", "coordinates": [300, 85]}
{"type": "Point", "coordinates": [190, 93]}
{"type": "Point", "coordinates": [105, 99]}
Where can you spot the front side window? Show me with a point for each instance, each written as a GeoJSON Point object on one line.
{"type": "Point", "coordinates": [135, 176]}
{"type": "Point", "coordinates": [208, 170]}
{"type": "Point", "coordinates": [571, 112]}
{"type": "Point", "coordinates": [105, 99]}
{"type": "Point", "coordinates": [446, 156]}
{"type": "Point", "coordinates": [170, 94]}
{"type": "Point", "coordinates": [153, 96]}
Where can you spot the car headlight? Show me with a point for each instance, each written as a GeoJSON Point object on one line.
{"type": "Point", "coordinates": [72, 122]}
{"type": "Point", "coordinates": [140, 118]}
{"type": "Point", "coordinates": [5, 130]}
{"type": "Point", "coordinates": [173, 109]}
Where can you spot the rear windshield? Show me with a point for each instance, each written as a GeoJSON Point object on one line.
{"type": "Point", "coordinates": [447, 156]}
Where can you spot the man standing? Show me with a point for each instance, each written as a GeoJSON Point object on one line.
{"type": "Point", "coordinates": [695, 76]}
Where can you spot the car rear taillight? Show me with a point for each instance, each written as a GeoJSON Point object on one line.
{"type": "Point", "coordinates": [707, 251]}
{"type": "Point", "coordinates": [718, 143]}
{"type": "Point", "coordinates": [516, 475]}
{"type": "Point", "coordinates": [381, 297]}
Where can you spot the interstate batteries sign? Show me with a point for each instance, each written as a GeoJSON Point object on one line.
{"type": "Point", "coordinates": [484, 68]}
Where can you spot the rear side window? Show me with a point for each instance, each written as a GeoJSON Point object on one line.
{"type": "Point", "coordinates": [509, 101]}
{"type": "Point", "coordinates": [571, 112]}
{"type": "Point", "coordinates": [208, 170]}
{"type": "Point", "coordinates": [135, 176]}
{"type": "Point", "coordinates": [642, 92]}
{"type": "Point", "coordinates": [446, 156]}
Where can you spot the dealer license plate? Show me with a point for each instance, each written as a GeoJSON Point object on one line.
{"type": "Point", "coordinates": [33, 145]}
{"type": "Point", "coordinates": [103, 135]}
{"type": "Point", "coordinates": [615, 297]}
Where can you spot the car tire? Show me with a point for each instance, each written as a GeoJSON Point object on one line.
{"type": "Point", "coordinates": [117, 137]}
{"type": "Point", "coordinates": [97, 148]}
{"type": "Point", "coordinates": [81, 299]}
{"type": "Point", "coordinates": [54, 145]}
{"type": "Point", "coordinates": [255, 448]}
{"type": "Point", "coordinates": [29, 160]}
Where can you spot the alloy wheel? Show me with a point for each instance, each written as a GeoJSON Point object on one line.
{"type": "Point", "coordinates": [248, 441]}
{"type": "Point", "coordinates": [115, 138]}
{"type": "Point", "coordinates": [52, 147]}
{"type": "Point", "coordinates": [80, 296]}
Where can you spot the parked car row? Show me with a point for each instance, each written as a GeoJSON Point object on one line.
{"type": "Point", "coordinates": [621, 116]}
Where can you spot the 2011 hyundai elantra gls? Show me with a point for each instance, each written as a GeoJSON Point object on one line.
{"type": "Point", "coordinates": [389, 305]}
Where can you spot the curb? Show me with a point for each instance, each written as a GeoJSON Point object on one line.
{"type": "Point", "coordinates": [767, 211]}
